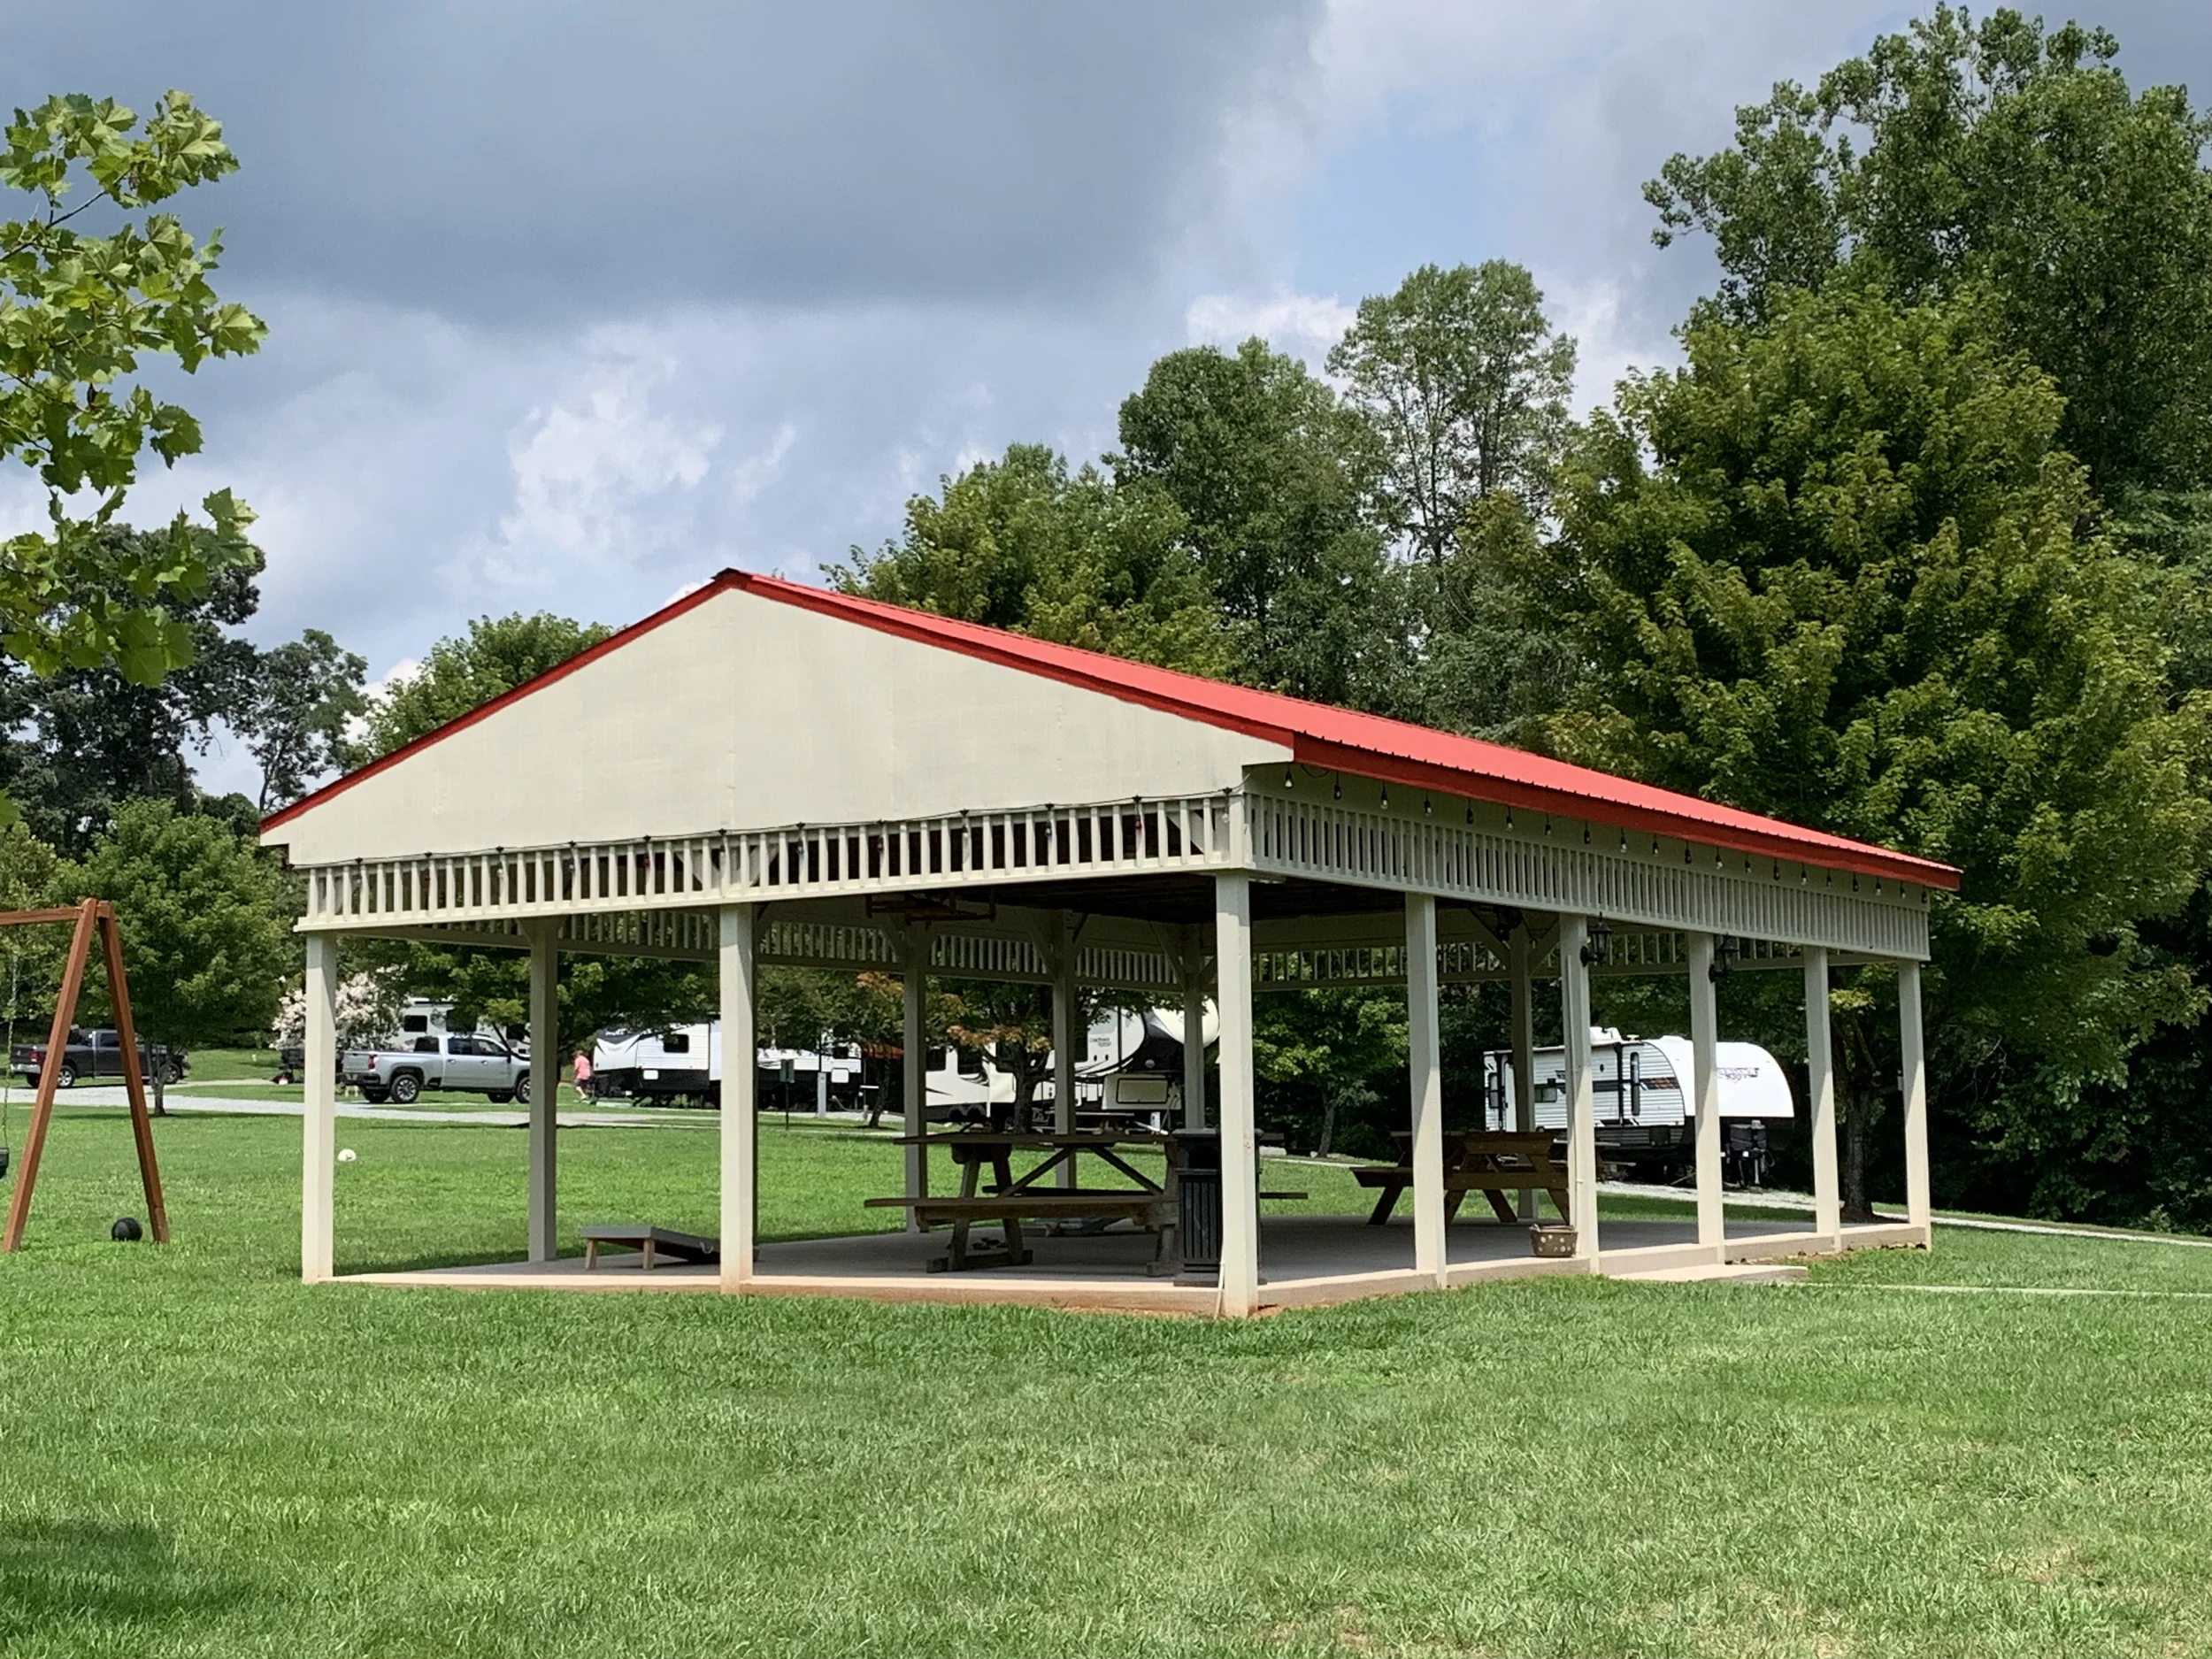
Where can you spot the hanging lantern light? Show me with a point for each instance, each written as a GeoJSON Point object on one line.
{"type": "Point", "coordinates": [1598, 945]}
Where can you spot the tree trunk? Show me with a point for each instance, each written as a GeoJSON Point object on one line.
{"type": "Point", "coordinates": [1328, 1124]}
{"type": "Point", "coordinates": [1857, 1208]}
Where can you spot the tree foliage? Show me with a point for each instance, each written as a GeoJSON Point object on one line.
{"type": "Point", "coordinates": [297, 713]}
{"type": "Point", "coordinates": [1464, 385]}
{"type": "Point", "coordinates": [1263, 463]}
{"type": "Point", "coordinates": [1999, 159]}
{"type": "Point", "coordinates": [1838, 570]}
{"type": "Point", "coordinates": [207, 944]}
{"type": "Point", "coordinates": [85, 739]}
{"type": "Point", "coordinates": [1023, 544]}
{"type": "Point", "coordinates": [82, 311]}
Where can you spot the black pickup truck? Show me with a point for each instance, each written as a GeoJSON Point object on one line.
{"type": "Point", "coordinates": [96, 1053]}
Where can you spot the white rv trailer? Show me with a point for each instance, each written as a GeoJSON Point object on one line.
{"type": "Point", "coordinates": [1640, 1090]}
{"type": "Point", "coordinates": [685, 1062]}
{"type": "Point", "coordinates": [1133, 1062]}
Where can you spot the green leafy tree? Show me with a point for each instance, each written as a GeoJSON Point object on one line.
{"type": "Point", "coordinates": [1837, 569]}
{"type": "Point", "coordinates": [1332, 1068]}
{"type": "Point", "coordinates": [461, 675]}
{"type": "Point", "coordinates": [1023, 544]}
{"type": "Point", "coordinates": [81, 740]}
{"type": "Point", "coordinates": [82, 314]}
{"type": "Point", "coordinates": [1999, 159]}
{"type": "Point", "coordinates": [303, 698]}
{"type": "Point", "coordinates": [205, 920]}
{"type": "Point", "coordinates": [1264, 465]}
{"type": "Point", "coordinates": [30, 878]}
{"type": "Point", "coordinates": [1465, 385]}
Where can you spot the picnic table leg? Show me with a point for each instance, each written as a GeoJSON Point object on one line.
{"type": "Point", "coordinates": [1016, 1251]}
{"type": "Point", "coordinates": [1384, 1203]}
{"type": "Point", "coordinates": [1504, 1211]}
{"type": "Point", "coordinates": [649, 1254]}
{"type": "Point", "coordinates": [957, 1254]}
{"type": "Point", "coordinates": [591, 1254]}
{"type": "Point", "coordinates": [1559, 1197]}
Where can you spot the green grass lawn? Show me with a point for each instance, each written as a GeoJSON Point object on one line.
{"type": "Point", "coordinates": [199, 1455]}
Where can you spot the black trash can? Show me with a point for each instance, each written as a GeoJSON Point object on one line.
{"type": "Point", "coordinates": [1198, 1203]}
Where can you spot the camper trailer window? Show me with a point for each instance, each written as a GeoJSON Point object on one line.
{"type": "Point", "coordinates": [971, 1063]}
{"type": "Point", "coordinates": [1548, 1092]}
{"type": "Point", "coordinates": [414, 1022]}
{"type": "Point", "coordinates": [676, 1042]}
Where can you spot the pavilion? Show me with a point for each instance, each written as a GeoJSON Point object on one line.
{"type": "Point", "coordinates": [781, 775]}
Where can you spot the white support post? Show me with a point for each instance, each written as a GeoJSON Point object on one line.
{"type": "Point", "coordinates": [318, 1135]}
{"type": "Point", "coordinates": [1582, 1120]}
{"type": "Point", "coordinates": [545, 1079]}
{"type": "Point", "coordinates": [1427, 1069]}
{"type": "Point", "coordinates": [740, 1084]}
{"type": "Point", "coordinates": [1064, 1040]}
{"type": "Point", "coordinates": [1240, 1150]}
{"type": "Point", "coordinates": [1712, 1224]}
{"type": "Point", "coordinates": [1517, 953]}
{"type": "Point", "coordinates": [1820, 1081]}
{"type": "Point", "coordinates": [1193, 1037]}
{"type": "Point", "coordinates": [914, 1069]}
{"type": "Point", "coordinates": [1919, 1204]}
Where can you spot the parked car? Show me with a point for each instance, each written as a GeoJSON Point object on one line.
{"type": "Point", "coordinates": [97, 1054]}
{"type": "Point", "coordinates": [470, 1065]}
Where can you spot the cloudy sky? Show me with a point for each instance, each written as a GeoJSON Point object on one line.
{"type": "Point", "coordinates": [573, 304]}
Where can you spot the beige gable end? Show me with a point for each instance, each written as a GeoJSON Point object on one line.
{"type": "Point", "coordinates": [743, 713]}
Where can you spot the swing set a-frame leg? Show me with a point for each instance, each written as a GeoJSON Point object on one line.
{"type": "Point", "coordinates": [91, 916]}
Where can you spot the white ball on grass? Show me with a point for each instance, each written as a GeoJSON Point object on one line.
{"type": "Point", "coordinates": [345, 1155]}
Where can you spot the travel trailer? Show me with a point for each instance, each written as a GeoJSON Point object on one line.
{"type": "Point", "coordinates": [683, 1064]}
{"type": "Point", "coordinates": [1645, 1117]}
{"type": "Point", "coordinates": [1133, 1063]}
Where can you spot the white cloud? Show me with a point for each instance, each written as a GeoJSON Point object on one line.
{"type": "Point", "coordinates": [590, 462]}
{"type": "Point", "coordinates": [1304, 325]}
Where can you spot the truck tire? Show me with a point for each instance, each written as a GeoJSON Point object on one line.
{"type": "Point", "coordinates": [172, 1072]}
{"type": "Point", "coordinates": [499, 1096]}
{"type": "Point", "coordinates": [66, 1077]}
{"type": "Point", "coordinates": [406, 1087]}
{"type": "Point", "coordinates": [522, 1085]}
{"type": "Point", "coordinates": [376, 1096]}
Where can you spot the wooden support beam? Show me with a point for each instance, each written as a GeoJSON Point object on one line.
{"type": "Point", "coordinates": [134, 1078]}
{"type": "Point", "coordinates": [50, 1074]}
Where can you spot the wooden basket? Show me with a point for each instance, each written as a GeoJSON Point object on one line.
{"type": "Point", "coordinates": [1552, 1238]}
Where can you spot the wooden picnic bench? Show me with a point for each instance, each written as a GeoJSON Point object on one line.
{"type": "Point", "coordinates": [1149, 1204]}
{"type": "Point", "coordinates": [652, 1243]}
{"type": "Point", "coordinates": [1491, 1162]}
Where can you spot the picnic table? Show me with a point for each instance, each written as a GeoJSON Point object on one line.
{"type": "Point", "coordinates": [1491, 1162]}
{"type": "Point", "coordinates": [1011, 1200]}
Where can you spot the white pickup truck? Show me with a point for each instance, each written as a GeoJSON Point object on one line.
{"type": "Point", "coordinates": [473, 1064]}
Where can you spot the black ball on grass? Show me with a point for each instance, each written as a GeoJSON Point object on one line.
{"type": "Point", "coordinates": [126, 1230]}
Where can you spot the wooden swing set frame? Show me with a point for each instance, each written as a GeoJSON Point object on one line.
{"type": "Point", "coordinates": [92, 916]}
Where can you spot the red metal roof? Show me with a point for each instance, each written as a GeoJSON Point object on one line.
{"type": "Point", "coordinates": [1338, 740]}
